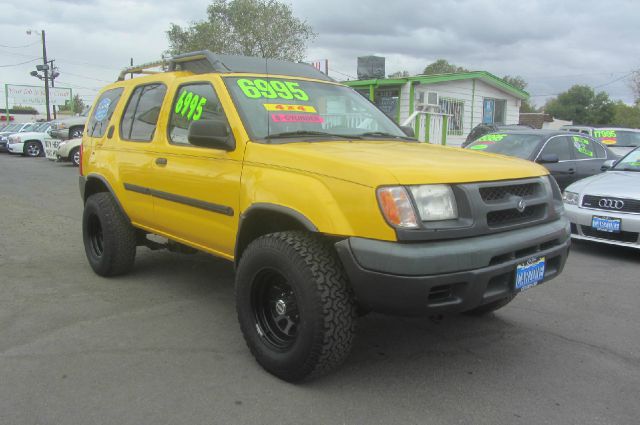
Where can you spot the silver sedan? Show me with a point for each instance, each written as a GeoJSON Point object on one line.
{"type": "Point", "coordinates": [606, 207]}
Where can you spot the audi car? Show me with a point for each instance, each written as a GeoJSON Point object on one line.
{"type": "Point", "coordinates": [606, 208]}
{"type": "Point", "coordinates": [568, 157]}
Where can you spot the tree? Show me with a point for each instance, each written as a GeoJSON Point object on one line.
{"type": "Point", "coordinates": [263, 28]}
{"type": "Point", "coordinates": [625, 115]}
{"type": "Point", "coordinates": [76, 105]}
{"type": "Point", "coordinates": [519, 83]}
{"type": "Point", "coordinates": [582, 105]}
{"type": "Point", "coordinates": [442, 66]}
{"type": "Point", "coordinates": [399, 74]}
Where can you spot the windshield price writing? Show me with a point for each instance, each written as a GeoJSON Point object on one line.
{"type": "Point", "coordinates": [258, 88]}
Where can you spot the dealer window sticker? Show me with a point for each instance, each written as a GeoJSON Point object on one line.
{"type": "Point", "coordinates": [279, 107]}
{"type": "Point", "coordinates": [582, 145]}
{"type": "Point", "coordinates": [491, 138]}
{"type": "Point", "coordinates": [608, 137]}
{"type": "Point", "coordinates": [274, 89]}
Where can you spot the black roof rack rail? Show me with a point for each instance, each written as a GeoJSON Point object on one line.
{"type": "Point", "coordinates": [205, 61]}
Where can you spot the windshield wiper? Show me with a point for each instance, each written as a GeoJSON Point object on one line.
{"type": "Point", "coordinates": [383, 134]}
{"type": "Point", "coordinates": [307, 133]}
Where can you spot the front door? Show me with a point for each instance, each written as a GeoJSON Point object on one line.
{"type": "Point", "coordinates": [565, 169]}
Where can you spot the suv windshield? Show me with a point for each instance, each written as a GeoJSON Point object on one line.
{"type": "Point", "coordinates": [286, 109]}
{"type": "Point", "coordinates": [520, 145]}
{"type": "Point", "coordinates": [631, 162]}
{"type": "Point", "coordinates": [28, 127]}
{"type": "Point", "coordinates": [617, 137]}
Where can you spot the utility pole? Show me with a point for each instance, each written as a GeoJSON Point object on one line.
{"type": "Point", "coordinates": [53, 81]}
{"type": "Point", "coordinates": [46, 75]}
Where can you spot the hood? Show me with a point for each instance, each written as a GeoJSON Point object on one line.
{"type": "Point", "coordinates": [30, 135]}
{"type": "Point", "coordinates": [620, 151]}
{"type": "Point", "coordinates": [621, 184]}
{"type": "Point", "coordinates": [375, 163]}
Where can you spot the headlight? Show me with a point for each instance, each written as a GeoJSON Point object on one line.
{"type": "Point", "coordinates": [570, 198]}
{"type": "Point", "coordinates": [396, 206]}
{"type": "Point", "coordinates": [435, 202]}
{"type": "Point", "coordinates": [14, 139]}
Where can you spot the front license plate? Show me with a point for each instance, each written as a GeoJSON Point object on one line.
{"type": "Point", "coordinates": [529, 273]}
{"type": "Point", "coordinates": [606, 224]}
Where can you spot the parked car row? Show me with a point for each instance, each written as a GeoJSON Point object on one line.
{"type": "Point", "coordinates": [601, 190]}
{"type": "Point", "coordinates": [57, 140]}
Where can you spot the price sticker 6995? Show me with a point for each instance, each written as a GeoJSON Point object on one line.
{"type": "Point", "coordinates": [273, 89]}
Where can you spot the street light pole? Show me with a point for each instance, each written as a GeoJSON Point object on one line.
{"type": "Point", "coordinates": [46, 75]}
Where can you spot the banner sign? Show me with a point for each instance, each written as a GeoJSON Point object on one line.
{"type": "Point", "coordinates": [34, 95]}
{"type": "Point", "coordinates": [321, 65]}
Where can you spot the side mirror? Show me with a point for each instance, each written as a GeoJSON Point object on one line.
{"type": "Point", "coordinates": [549, 158]}
{"type": "Point", "coordinates": [608, 164]}
{"type": "Point", "coordinates": [213, 134]}
{"type": "Point", "coordinates": [408, 130]}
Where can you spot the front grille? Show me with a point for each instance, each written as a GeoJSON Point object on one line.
{"type": "Point", "coordinates": [498, 193]}
{"type": "Point", "coordinates": [618, 237]}
{"type": "Point", "coordinates": [630, 205]}
{"type": "Point", "coordinates": [512, 216]}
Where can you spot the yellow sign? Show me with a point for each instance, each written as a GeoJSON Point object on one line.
{"type": "Point", "coordinates": [286, 108]}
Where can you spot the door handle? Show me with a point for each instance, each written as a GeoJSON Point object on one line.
{"type": "Point", "coordinates": [161, 161]}
{"type": "Point", "coordinates": [571, 170]}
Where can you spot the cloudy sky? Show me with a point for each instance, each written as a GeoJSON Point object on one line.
{"type": "Point", "coordinates": [552, 44]}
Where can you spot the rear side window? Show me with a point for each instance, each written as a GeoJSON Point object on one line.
{"type": "Point", "coordinates": [141, 115]}
{"type": "Point", "coordinates": [192, 102]}
{"type": "Point", "coordinates": [559, 146]}
{"type": "Point", "coordinates": [105, 105]}
{"type": "Point", "coordinates": [583, 148]}
{"type": "Point", "coordinates": [599, 150]}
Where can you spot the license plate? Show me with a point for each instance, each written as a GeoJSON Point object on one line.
{"type": "Point", "coordinates": [529, 273]}
{"type": "Point", "coordinates": [606, 224]}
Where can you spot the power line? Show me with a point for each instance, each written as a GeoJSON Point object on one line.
{"type": "Point", "coordinates": [88, 78]}
{"type": "Point", "coordinates": [20, 47]}
{"type": "Point", "coordinates": [21, 63]}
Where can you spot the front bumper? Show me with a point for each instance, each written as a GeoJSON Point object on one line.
{"type": "Point", "coordinates": [16, 148]}
{"type": "Point", "coordinates": [581, 218]}
{"type": "Point", "coordinates": [448, 276]}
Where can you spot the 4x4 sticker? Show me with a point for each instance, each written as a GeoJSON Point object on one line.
{"type": "Point", "coordinates": [102, 110]}
{"type": "Point", "coordinates": [274, 89]}
{"type": "Point", "coordinates": [191, 104]}
{"type": "Point", "coordinates": [289, 108]}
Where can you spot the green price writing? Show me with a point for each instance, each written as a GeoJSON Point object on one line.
{"type": "Point", "coordinates": [582, 145]}
{"type": "Point", "coordinates": [604, 133]}
{"type": "Point", "coordinates": [258, 88]}
{"type": "Point", "coordinates": [190, 104]}
{"type": "Point", "coordinates": [492, 138]}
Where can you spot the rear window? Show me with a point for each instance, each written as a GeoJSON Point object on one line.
{"type": "Point", "coordinates": [618, 137]}
{"type": "Point", "coordinates": [518, 145]}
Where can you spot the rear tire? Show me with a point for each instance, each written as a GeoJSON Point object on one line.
{"type": "Point", "coordinates": [491, 307]}
{"type": "Point", "coordinates": [294, 306]}
{"type": "Point", "coordinates": [109, 238]}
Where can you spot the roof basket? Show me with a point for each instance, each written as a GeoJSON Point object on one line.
{"type": "Point", "coordinates": [204, 62]}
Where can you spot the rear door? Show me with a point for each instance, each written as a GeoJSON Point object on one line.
{"type": "Point", "coordinates": [589, 156]}
{"type": "Point", "coordinates": [564, 170]}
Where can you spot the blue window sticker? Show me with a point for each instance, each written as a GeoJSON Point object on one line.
{"type": "Point", "coordinates": [103, 109]}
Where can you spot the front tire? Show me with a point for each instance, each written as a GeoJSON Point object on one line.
{"type": "Point", "coordinates": [294, 306]}
{"type": "Point", "coordinates": [109, 239]}
{"type": "Point", "coordinates": [74, 156]}
{"type": "Point", "coordinates": [33, 149]}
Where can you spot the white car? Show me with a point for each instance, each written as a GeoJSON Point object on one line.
{"type": "Point", "coordinates": [606, 207]}
{"type": "Point", "coordinates": [31, 142]}
{"type": "Point", "coordinates": [69, 150]}
{"type": "Point", "coordinates": [10, 129]}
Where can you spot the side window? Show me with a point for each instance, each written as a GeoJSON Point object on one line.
{"type": "Point", "coordinates": [599, 150]}
{"type": "Point", "coordinates": [102, 112]}
{"type": "Point", "coordinates": [193, 102]}
{"type": "Point", "coordinates": [558, 146]}
{"type": "Point", "coordinates": [583, 148]}
{"type": "Point", "coordinates": [141, 114]}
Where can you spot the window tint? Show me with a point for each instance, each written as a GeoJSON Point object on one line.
{"type": "Point", "coordinates": [558, 146]}
{"type": "Point", "coordinates": [141, 115]}
{"type": "Point", "coordinates": [102, 112]}
{"type": "Point", "coordinates": [599, 150]}
{"type": "Point", "coordinates": [193, 102]}
{"type": "Point", "coordinates": [583, 148]}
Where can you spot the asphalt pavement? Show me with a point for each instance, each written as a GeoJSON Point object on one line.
{"type": "Point", "coordinates": [162, 344]}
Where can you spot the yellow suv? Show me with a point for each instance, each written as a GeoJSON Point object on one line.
{"type": "Point", "coordinates": [324, 204]}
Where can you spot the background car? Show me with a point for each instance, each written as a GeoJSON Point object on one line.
{"type": "Point", "coordinates": [30, 143]}
{"type": "Point", "coordinates": [606, 208]}
{"type": "Point", "coordinates": [69, 150]}
{"type": "Point", "coordinates": [10, 129]}
{"type": "Point", "coordinates": [568, 157]}
{"type": "Point", "coordinates": [482, 129]}
{"type": "Point", "coordinates": [70, 128]}
{"type": "Point", "coordinates": [620, 140]}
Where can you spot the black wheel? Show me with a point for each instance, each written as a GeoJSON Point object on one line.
{"type": "Point", "coordinates": [74, 156]}
{"type": "Point", "coordinates": [491, 307]}
{"type": "Point", "coordinates": [75, 132]}
{"type": "Point", "coordinates": [294, 307]}
{"type": "Point", "coordinates": [33, 149]}
{"type": "Point", "coordinates": [109, 238]}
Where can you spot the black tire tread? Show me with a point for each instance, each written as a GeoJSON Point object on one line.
{"type": "Point", "coordinates": [336, 300]}
{"type": "Point", "coordinates": [122, 234]}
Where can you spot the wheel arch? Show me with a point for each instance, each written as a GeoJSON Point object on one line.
{"type": "Point", "coordinates": [95, 183]}
{"type": "Point", "coordinates": [26, 142]}
{"type": "Point", "coordinates": [264, 218]}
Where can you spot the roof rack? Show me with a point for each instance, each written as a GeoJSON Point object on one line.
{"type": "Point", "coordinates": [204, 62]}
